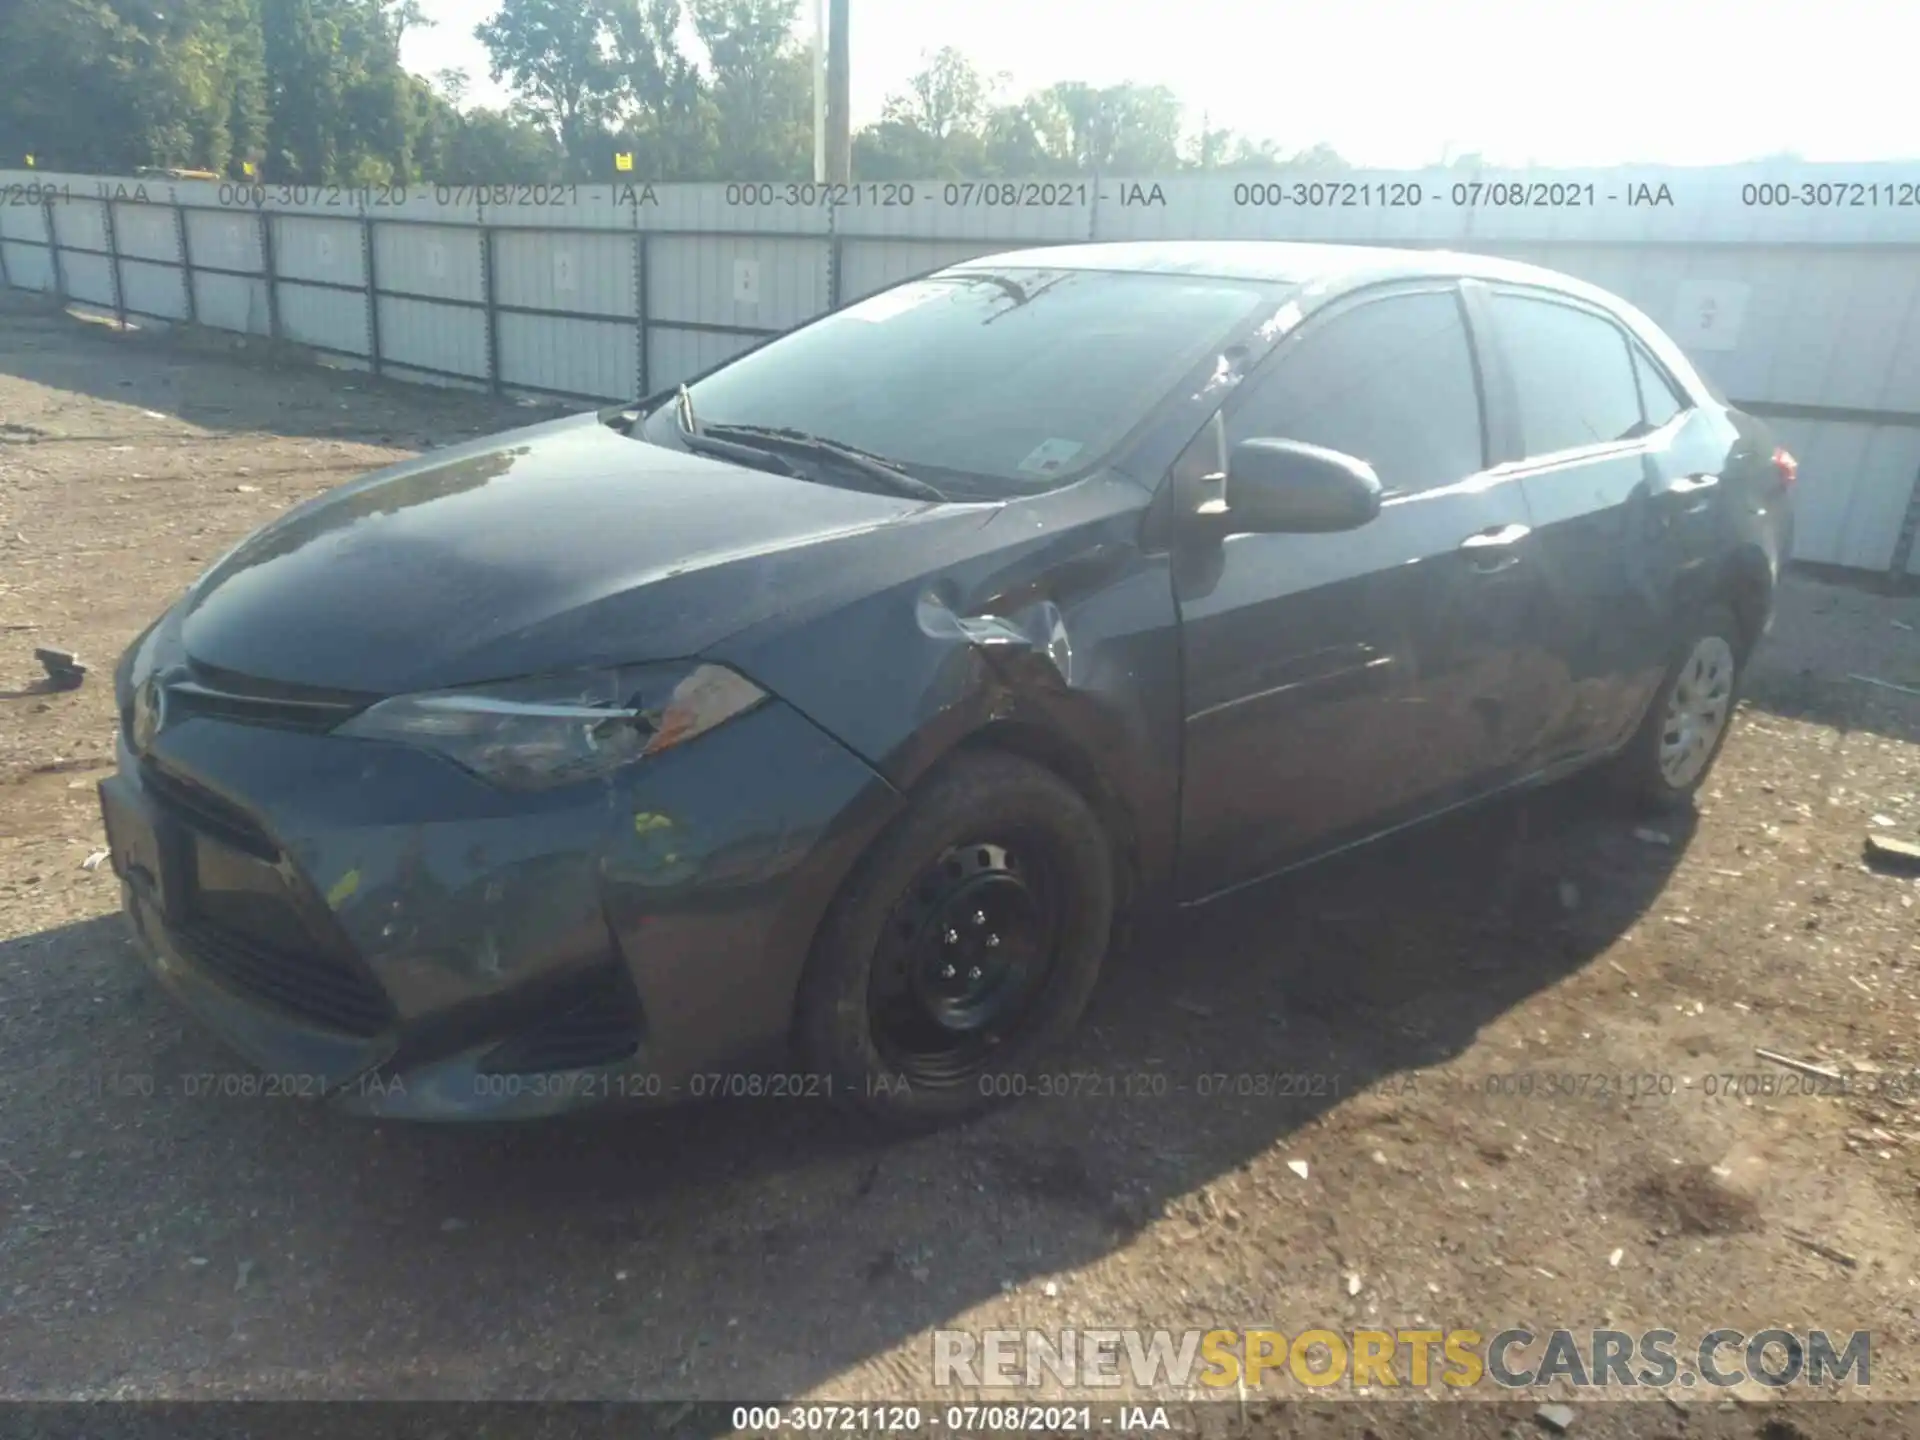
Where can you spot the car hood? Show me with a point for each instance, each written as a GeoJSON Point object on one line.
{"type": "Point", "coordinates": [559, 545]}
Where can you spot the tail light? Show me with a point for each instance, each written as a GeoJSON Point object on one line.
{"type": "Point", "coordinates": [1788, 467]}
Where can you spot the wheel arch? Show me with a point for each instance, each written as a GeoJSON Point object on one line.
{"type": "Point", "coordinates": [1052, 750]}
{"type": "Point", "coordinates": [1746, 585]}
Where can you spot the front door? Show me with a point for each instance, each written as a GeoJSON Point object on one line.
{"type": "Point", "coordinates": [1338, 684]}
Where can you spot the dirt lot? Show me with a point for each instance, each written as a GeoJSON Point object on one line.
{"type": "Point", "coordinates": [155, 1243]}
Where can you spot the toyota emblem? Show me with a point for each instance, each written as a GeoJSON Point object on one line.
{"type": "Point", "coordinates": [149, 713]}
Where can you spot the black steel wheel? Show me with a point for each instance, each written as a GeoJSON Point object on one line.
{"type": "Point", "coordinates": [970, 945]}
{"type": "Point", "coordinates": [964, 945]}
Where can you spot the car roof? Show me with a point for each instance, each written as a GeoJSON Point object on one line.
{"type": "Point", "coordinates": [1322, 266]}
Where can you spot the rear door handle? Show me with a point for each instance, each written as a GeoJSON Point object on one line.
{"type": "Point", "coordinates": [1493, 550]}
{"type": "Point", "coordinates": [1695, 490]}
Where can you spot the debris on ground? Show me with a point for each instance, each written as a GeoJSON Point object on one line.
{"type": "Point", "coordinates": [63, 667]}
{"type": "Point", "coordinates": [1822, 1249]}
{"type": "Point", "coordinates": [1648, 835]}
{"type": "Point", "coordinates": [1557, 1418]}
{"type": "Point", "coordinates": [1889, 850]}
{"type": "Point", "coordinates": [1805, 1067]}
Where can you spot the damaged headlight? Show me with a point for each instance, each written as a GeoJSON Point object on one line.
{"type": "Point", "coordinates": [560, 729]}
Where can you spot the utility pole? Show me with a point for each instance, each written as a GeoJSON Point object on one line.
{"type": "Point", "coordinates": [839, 74]}
{"type": "Point", "coordinates": [819, 91]}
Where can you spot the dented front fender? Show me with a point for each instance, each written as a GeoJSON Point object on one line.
{"type": "Point", "coordinates": [1051, 619]}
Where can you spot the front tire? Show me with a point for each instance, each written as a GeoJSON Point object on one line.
{"type": "Point", "coordinates": [1673, 752]}
{"type": "Point", "coordinates": [962, 948]}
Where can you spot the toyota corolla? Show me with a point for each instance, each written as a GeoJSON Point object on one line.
{"type": "Point", "coordinates": [811, 728]}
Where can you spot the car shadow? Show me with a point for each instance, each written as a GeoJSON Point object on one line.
{"type": "Point", "coordinates": [749, 1248]}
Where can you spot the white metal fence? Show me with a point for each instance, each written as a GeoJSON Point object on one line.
{"type": "Point", "coordinates": [1797, 288]}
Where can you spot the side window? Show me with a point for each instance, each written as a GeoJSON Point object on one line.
{"type": "Point", "coordinates": [1391, 382]}
{"type": "Point", "coordinates": [1659, 401]}
{"type": "Point", "coordinates": [1572, 372]}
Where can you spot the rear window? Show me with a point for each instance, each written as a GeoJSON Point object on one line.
{"type": "Point", "coordinates": [1660, 401]}
{"type": "Point", "coordinates": [1573, 374]}
{"type": "Point", "coordinates": [1017, 378]}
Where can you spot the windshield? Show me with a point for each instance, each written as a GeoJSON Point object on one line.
{"type": "Point", "coordinates": [1007, 380]}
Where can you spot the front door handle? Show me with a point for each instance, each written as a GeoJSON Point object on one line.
{"type": "Point", "coordinates": [1492, 550]}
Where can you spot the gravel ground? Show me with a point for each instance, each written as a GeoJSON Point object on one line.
{"type": "Point", "coordinates": [161, 1243]}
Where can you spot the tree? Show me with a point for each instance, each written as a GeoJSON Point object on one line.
{"type": "Point", "coordinates": [1074, 126]}
{"type": "Point", "coordinates": [312, 91]}
{"type": "Point", "coordinates": [453, 83]}
{"type": "Point", "coordinates": [559, 56]}
{"type": "Point", "coordinates": [498, 147]}
{"type": "Point", "coordinates": [762, 89]}
{"type": "Point", "coordinates": [106, 85]}
{"type": "Point", "coordinates": [936, 130]}
{"type": "Point", "coordinates": [948, 96]}
{"type": "Point", "coordinates": [1029, 137]}
{"type": "Point", "coordinates": [1317, 157]}
{"type": "Point", "coordinates": [671, 123]}
{"type": "Point", "coordinates": [339, 103]}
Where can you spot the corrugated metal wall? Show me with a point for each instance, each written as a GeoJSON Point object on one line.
{"type": "Point", "coordinates": [1795, 288]}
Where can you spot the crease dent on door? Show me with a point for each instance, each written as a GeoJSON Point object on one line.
{"type": "Point", "coordinates": [1331, 668]}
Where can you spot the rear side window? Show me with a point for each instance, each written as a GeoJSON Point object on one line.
{"type": "Point", "coordinates": [1659, 401]}
{"type": "Point", "coordinates": [1391, 382]}
{"type": "Point", "coordinates": [1572, 371]}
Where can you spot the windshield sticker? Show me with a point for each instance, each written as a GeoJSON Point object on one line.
{"type": "Point", "coordinates": [890, 303]}
{"type": "Point", "coordinates": [1049, 456]}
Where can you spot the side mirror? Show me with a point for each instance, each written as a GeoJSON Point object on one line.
{"type": "Point", "coordinates": [1286, 487]}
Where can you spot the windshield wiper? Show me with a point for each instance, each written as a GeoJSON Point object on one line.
{"type": "Point", "coordinates": [757, 456]}
{"type": "Point", "coordinates": [875, 467]}
{"type": "Point", "coordinates": [696, 439]}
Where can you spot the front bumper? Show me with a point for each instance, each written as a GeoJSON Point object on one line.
{"type": "Point", "coordinates": [371, 923]}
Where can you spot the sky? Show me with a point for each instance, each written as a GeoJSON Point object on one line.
{"type": "Point", "coordinates": [1401, 83]}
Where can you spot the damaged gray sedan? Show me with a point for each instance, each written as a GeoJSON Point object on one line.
{"type": "Point", "coordinates": [807, 729]}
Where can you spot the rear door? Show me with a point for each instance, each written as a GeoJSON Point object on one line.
{"type": "Point", "coordinates": [1688, 454]}
{"type": "Point", "coordinates": [1572, 424]}
{"type": "Point", "coordinates": [1338, 683]}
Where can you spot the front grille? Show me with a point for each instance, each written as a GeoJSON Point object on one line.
{"type": "Point", "coordinates": [216, 694]}
{"type": "Point", "coordinates": [245, 700]}
{"type": "Point", "coordinates": [601, 1027]}
{"type": "Point", "coordinates": [206, 811]}
{"type": "Point", "coordinates": [311, 985]}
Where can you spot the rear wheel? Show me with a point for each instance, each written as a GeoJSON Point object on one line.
{"type": "Point", "coordinates": [964, 946]}
{"type": "Point", "coordinates": [1672, 753]}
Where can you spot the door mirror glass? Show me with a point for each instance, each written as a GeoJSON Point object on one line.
{"type": "Point", "coordinates": [1286, 487]}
